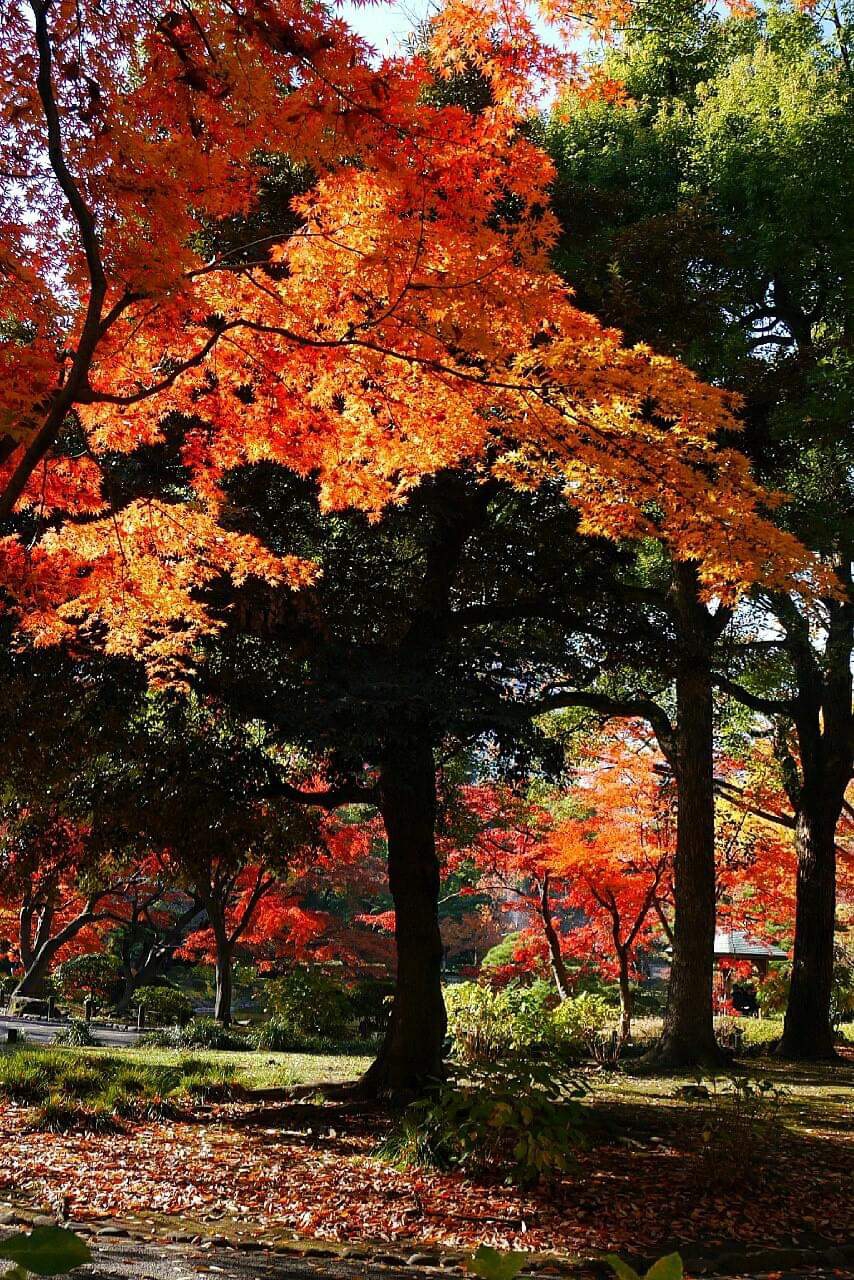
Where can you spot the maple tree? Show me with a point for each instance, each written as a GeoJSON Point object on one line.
{"type": "Point", "coordinates": [318, 352]}
{"type": "Point", "coordinates": [412, 269]}
{"type": "Point", "coordinates": [594, 882]}
{"type": "Point", "coordinates": [57, 889]}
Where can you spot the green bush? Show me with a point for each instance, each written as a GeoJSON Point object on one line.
{"type": "Point", "coordinates": [314, 1005]}
{"type": "Point", "coordinates": [520, 1123]}
{"type": "Point", "coordinates": [75, 1034]}
{"type": "Point", "coordinates": [489, 1026]}
{"type": "Point", "coordinates": [64, 1114]}
{"type": "Point", "coordinates": [164, 1006]}
{"type": "Point", "coordinates": [198, 1033]}
{"type": "Point", "coordinates": [89, 975]}
{"type": "Point", "coordinates": [370, 1003]}
{"type": "Point", "coordinates": [577, 1024]}
{"type": "Point", "coordinates": [772, 993]}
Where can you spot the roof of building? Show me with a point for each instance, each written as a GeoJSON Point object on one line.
{"type": "Point", "coordinates": [739, 945]}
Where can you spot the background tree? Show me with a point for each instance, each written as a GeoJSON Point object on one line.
{"type": "Point", "coordinates": [721, 167]}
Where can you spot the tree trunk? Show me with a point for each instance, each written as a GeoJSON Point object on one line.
{"type": "Point", "coordinates": [626, 1001]}
{"type": "Point", "coordinates": [807, 1031]}
{"type": "Point", "coordinates": [411, 1054]}
{"type": "Point", "coordinates": [558, 966]}
{"type": "Point", "coordinates": [688, 1038]}
{"type": "Point", "coordinates": [224, 983]}
{"type": "Point", "coordinates": [32, 982]}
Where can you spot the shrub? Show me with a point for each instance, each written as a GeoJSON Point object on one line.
{"type": "Point", "coordinates": [578, 1024]}
{"type": "Point", "coordinates": [488, 1026]}
{"type": "Point", "coordinates": [370, 1002]}
{"type": "Point", "coordinates": [198, 1033]}
{"type": "Point", "coordinates": [737, 1116]}
{"type": "Point", "coordinates": [61, 1114]}
{"type": "Point", "coordinates": [311, 1003]}
{"type": "Point", "coordinates": [476, 1024]}
{"type": "Point", "coordinates": [164, 1006]}
{"type": "Point", "coordinates": [773, 992]}
{"type": "Point", "coordinates": [522, 1123]}
{"type": "Point", "coordinates": [75, 1034]}
{"type": "Point", "coordinates": [89, 975]}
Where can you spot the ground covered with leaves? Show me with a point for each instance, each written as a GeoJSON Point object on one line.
{"type": "Point", "coordinates": [646, 1179]}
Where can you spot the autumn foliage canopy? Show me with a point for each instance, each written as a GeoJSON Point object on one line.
{"type": "Point", "coordinates": [404, 318]}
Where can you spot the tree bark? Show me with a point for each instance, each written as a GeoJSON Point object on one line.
{"type": "Point", "coordinates": [688, 1038]}
{"type": "Point", "coordinates": [807, 1031]}
{"type": "Point", "coordinates": [626, 1001]}
{"type": "Point", "coordinates": [224, 982]}
{"type": "Point", "coordinates": [411, 1055]}
{"type": "Point", "coordinates": [32, 981]}
{"type": "Point", "coordinates": [559, 969]}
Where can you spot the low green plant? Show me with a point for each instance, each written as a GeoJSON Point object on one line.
{"type": "Point", "coordinates": [75, 1034]}
{"type": "Point", "coordinates": [198, 1033]}
{"type": "Point", "coordinates": [370, 1002]}
{"type": "Point", "coordinates": [66, 1092]}
{"type": "Point", "coordinates": [501, 1264]}
{"type": "Point", "coordinates": [666, 1268]}
{"type": "Point", "coordinates": [164, 1006]}
{"type": "Point", "coordinates": [44, 1251]}
{"type": "Point", "coordinates": [737, 1117]}
{"type": "Point", "coordinates": [64, 1114]}
{"type": "Point", "coordinates": [311, 1003]}
{"type": "Point", "coordinates": [578, 1023]}
{"type": "Point", "coordinates": [521, 1123]}
{"type": "Point", "coordinates": [489, 1026]}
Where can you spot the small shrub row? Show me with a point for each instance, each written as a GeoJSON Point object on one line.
{"type": "Point", "coordinates": [486, 1025]}
{"type": "Point", "coordinates": [79, 1091]}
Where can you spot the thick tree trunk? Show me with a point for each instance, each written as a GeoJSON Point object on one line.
{"type": "Point", "coordinates": [411, 1054]}
{"type": "Point", "coordinates": [807, 1031]}
{"type": "Point", "coordinates": [688, 1038]}
{"type": "Point", "coordinates": [559, 969]}
{"type": "Point", "coordinates": [224, 983]}
{"type": "Point", "coordinates": [32, 982]}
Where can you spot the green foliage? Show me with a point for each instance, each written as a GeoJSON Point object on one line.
{"type": "Point", "coordinates": [489, 1026]}
{"type": "Point", "coordinates": [577, 1023]}
{"type": "Point", "coordinates": [521, 1123]}
{"type": "Point", "coordinates": [87, 1093]}
{"type": "Point", "coordinates": [842, 988]}
{"type": "Point", "coordinates": [87, 975]}
{"type": "Point", "coordinates": [370, 1001]}
{"type": "Point", "coordinates": [311, 1003]}
{"type": "Point", "coordinates": [493, 1026]}
{"type": "Point", "coordinates": [164, 1005]}
{"type": "Point", "coordinates": [772, 993]}
{"type": "Point", "coordinates": [63, 1114]}
{"type": "Point", "coordinates": [197, 1033]}
{"type": "Point", "coordinates": [495, 1264]}
{"type": "Point", "coordinates": [46, 1251]}
{"type": "Point", "coordinates": [75, 1034]}
{"type": "Point", "coordinates": [737, 1116]}
{"type": "Point", "coordinates": [666, 1268]}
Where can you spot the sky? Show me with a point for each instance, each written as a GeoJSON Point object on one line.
{"type": "Point", "coordinates": [386, 25]}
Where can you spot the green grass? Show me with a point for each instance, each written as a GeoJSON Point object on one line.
{"type": "Point", "coordinates": [30, 1074]}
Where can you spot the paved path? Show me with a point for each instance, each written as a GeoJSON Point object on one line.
{"type": "Point", "coordinates": [43, 1032]}
{"type": "Point", "coordinates": [134, 1260]}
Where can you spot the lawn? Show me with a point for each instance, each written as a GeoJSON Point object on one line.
{"type": "Point", "coordinates": [236, 1164]}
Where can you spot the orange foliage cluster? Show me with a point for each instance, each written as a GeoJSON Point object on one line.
{"type": "Point", "coordinates": [409, 322]}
